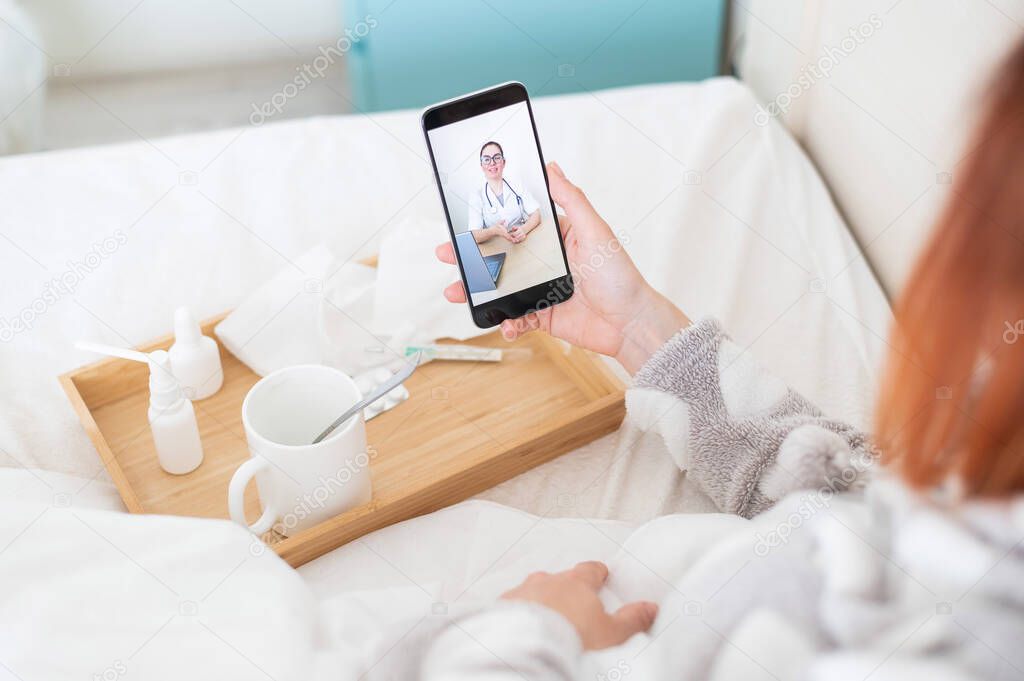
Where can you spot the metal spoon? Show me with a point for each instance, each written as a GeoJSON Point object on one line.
{"type": "Point", "coordinates": [398, 378]}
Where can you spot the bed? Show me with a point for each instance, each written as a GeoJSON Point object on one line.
{"type": "Point", "coordinates": [725, 216]}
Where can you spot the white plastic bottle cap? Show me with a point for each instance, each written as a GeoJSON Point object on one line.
{"type": "Point", "coordinates": [164, 390]}
{"type": "Point", "coordinates": [186, 328]}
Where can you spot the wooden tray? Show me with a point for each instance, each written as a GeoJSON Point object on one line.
{"type": "Point", "coordinates": [466, 427]}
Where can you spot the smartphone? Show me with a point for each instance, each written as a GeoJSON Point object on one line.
{"type": "Point", "coordinates": [490, 175]}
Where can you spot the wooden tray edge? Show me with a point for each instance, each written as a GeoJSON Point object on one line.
{"type": "Point", "coordinates": [107, 458]}
{"type": "Point", "coordinates": [601, 417]}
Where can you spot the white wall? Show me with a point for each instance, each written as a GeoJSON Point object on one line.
{"type": "Point", "coordinates": [118, 37]}
{"type": "Point", "coordinates": [889, 121]}
{"type": "Point", "coordinates": [22, 68]}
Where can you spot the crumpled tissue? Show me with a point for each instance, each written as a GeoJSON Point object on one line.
{"type": "Point", "coordinates": [320, 310]}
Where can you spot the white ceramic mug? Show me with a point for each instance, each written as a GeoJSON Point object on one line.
{"type": "Point", "coordinates": [301, 484]}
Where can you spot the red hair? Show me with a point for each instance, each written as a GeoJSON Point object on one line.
{"type": "Point", "coordinates": [952, 399]}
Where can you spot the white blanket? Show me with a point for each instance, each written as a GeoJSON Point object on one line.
{"type": "Point", "coordinates": [726, 217]}
{"type": "Point", "coordinates": [102, 594]}
{"type": "Point", "coordinates": [106, 594]}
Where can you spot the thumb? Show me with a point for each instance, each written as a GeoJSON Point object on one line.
{"type": "Point", "coordinates": [570, 197]}
{"type": "Point", "coordinates": [633, 618]}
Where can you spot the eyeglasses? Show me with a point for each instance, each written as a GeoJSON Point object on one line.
{"type": "Point", "coordinates": [491, 160]}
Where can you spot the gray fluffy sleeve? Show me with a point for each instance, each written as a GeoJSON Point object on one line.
{"type": "Point", "coordinates": [739, 432]}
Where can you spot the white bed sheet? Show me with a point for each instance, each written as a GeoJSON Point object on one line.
{"type": "Point", "coordinates": [727, 218]}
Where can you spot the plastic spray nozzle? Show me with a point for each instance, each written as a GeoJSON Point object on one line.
{"type": "Point", "coordinates": [113, 351]}
{"type": "Point", "coordinates": [160, 377]}
{"type": "Point", "coordinates": [164, 388]}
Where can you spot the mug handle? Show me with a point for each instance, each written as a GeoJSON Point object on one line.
{"type": "Point", "coordinates": [236, 497]}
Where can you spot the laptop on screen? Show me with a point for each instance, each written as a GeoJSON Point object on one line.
{"type": "Point", "coordinates": [481, 272]}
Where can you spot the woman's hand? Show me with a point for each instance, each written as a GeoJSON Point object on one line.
{"type": "Point", "coordinates": [501, 229]}
{"type": "Point", "coordinates": [488, 233]}
{"type": "Point", "coordinates": [522, 230]}
{"type": "Point", "coordinates": [573, 594]}
{"type": "Point", "coordinates": [614, 311]}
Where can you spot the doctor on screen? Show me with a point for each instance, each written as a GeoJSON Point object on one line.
{"type": "Point", "coordinates": [497, 207]}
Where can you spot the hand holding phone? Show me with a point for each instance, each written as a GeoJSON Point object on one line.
{"type": "Point", "coordinates": [614, 311]}
{"type": "Point", "coordinates": [485, 146]}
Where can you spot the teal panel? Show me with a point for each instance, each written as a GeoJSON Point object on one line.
{"type": "Point", "coordinates": [420, 52]}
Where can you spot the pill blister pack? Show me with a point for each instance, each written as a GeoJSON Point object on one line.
{"type": "Point", "coordinates": [368, 381]}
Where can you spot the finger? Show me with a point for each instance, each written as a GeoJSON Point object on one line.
{"type": "Point", "coordinates": [445, 253]}
{"type": "Point", "coordinates": [567, 195]}
{"type": "Point", "coordinates": [631, 619]}
{"type": "Point", "coordinates": [532, 321]}
{"type": "Point", "coordinates": [593, 573]}
{"type": "Point", "coordinates": [564, 225]}
{"type": "Point", "coordinates": [455, 292]}
{"type": "Point", "coordinates": [542, 319]}
{"type": "Point", "coordinates": [563, 221]}
{"type": "Point", "coordinates": [508, 330]}
{"type": "Point", "coordinates": [512, 329]}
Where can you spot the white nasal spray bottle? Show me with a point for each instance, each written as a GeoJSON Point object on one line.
{"type": "Point", "coordinates": [195, 357]}
{"type": "Point", "coordinates": [171, 416]}
{"type": "Point", "coordinates": [172, 419]}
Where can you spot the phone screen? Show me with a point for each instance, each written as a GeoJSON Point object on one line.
{"type": "Point", "coordinates": [491, 176]}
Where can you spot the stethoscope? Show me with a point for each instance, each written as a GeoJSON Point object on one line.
{"type": "Point", "coordinates": [494, 209]}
